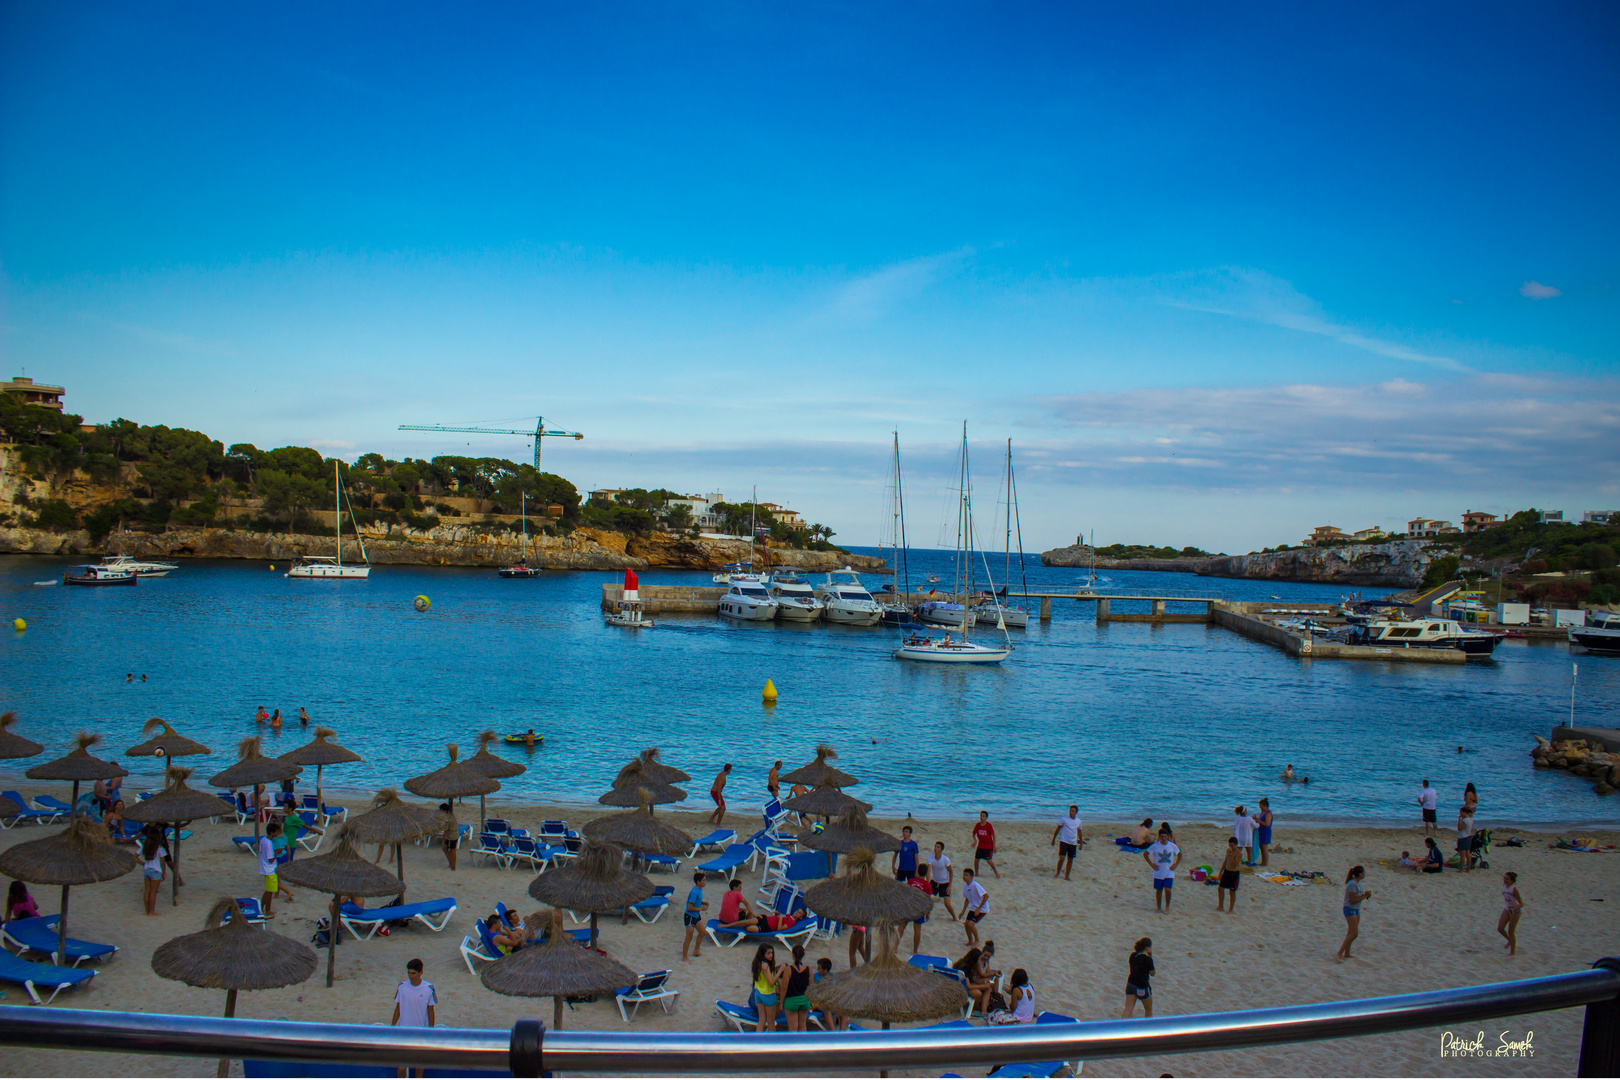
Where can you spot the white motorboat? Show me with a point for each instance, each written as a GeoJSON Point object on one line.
{"type": "Point", "coordinates": [138, 567]}
{"type": "Point", "coordinates": [796, 600]}
{"type": "Point", "coordinates": [1600, 637]}
{"type": "Point", "coordinates": [1425, 634]}
{"type": "Point", "coordinates": [325, 567]}
{"type": "Point", "coordinates": [748, 600]}
{"type": "Point", "coordinates": [941, 613]}
{"type": "Point", "coordinates": [96, 574]}
{"type": "Point", "coordinates": [847, 600]}
{"type": "Point", "coordinates": [948, 650]}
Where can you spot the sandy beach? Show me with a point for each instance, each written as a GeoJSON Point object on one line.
{"type": "Point", "coordinates": [1073, 937]}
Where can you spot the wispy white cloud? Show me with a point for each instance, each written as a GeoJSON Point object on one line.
{"type": "Point", "coordinates": [1535, 290]}
{"type": "Point", "coordinates": [331, 444]}
{"type": "Point", "coordinates": [872, 295]}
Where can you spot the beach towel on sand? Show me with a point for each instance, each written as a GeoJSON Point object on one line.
{"type": "Point", "coordinates": [1280, 879]}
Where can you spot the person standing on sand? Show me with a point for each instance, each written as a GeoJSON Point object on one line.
{"type": "Point", "coordinates": [1069, 838]}
{"type": "Point", "coordinates": [452, 833]}
{"type": "Point", "coordinates": [1243, 829]}
{"type": "Point", "coordinates": [1353, 896]}
{"type": "Point", "coordinates": [1139, 983]}
{"type": "Point", "coordinates": [267, 866]}
{"type": "Point", "coordinates": [1163, 857]}
{"type": "Point", "coordinates": [1512, 908]}
{"type": "Point", "coordinates": [1465, 839]}
{"type": "Point", "coordinates": [693, 918]}
{"type": "Point", "coordinates": [1265, 821]}
{"type": "Point", "coordinates": [919, 882]}
{"type": "Point", "coordinates": [984, 843]}
{"type": "Point", "coordinates": [940, 874]}
{"type": "Point", "coordinates": [903, 863]}
{"type": "Point", "coordinates": [717, 792]}
{"type": "Point", "coordinates": [1229, 876]}
{"type": "Point", "coordinates": [975, 905]}
{"type": "Point", "coordinates": [773, 781]}
{"type": "Point", "coordinates": [1428, 801]}
{"type": "Point", "coordinates": [415, 1002]}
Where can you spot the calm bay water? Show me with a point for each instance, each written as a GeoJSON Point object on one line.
{"type": "Point", "coordinates": [1128, 720]}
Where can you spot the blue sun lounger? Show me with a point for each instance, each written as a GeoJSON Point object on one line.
{"type": "Point", "coordinates": [740, 1015]}
{"type": "Point", "coordinates": [28, 814]}
{"type": "Point", "coordinates": [734, 856]}
{"type": "Point", "coordinates": [801, 930]}
{"type": "Point", "coordinates": [1041, 1068]}
{"type": "Point", "coordinates": [715, 841]}
{"type": "Point", "coordinates": [356, 917]}
{"type": "Point", "coordinates": [34, 976]}
{"type": "Point", "coordinates": [39, 935]}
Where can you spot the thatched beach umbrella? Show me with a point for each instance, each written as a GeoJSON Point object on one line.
{"type": "Point", "coordinates": [343, 871]}
{"type": "Point", "coordinates": [166, 743]}
{"type": "Point", "coordinates": [640, 832]}
{"type": "Point", "coordinates": [847, 833]}
{"type": "Point", "coordinates": [81, 854]}
{"type": "Point", "coordinates": [9, 807]}
{"type": "Point", "coordinates": [595, 882]}
{"type": "Point", "coordinates": [862, 896]}
{"type": "Point", "coordinates": [13, 745]}
{"type": "Point", "coordinates": [818, 772]}
{"type": "Point", "coordinates": [252, 769]}
{"type": "Point", "coordinates": [653, 768]}
{"type": "Point", "coordinates": [78, 767]}
{"type": "Point", "coordinates": [391, 820]}
{"type": "Point", "coordinates": [496, 768]}
{"type": "Point", "coordinates": [889, 991]}
{"type": "Point", "coordinates": [232, 956]}
{"type": "Point", "coordinates": [824, 801]}
{"type": "Point", "coordinates": [454, 781]}
{"type": "Point", "coordinates": [320, 754]}
{"type": "Point", "coordinates": [177, 804]}
{"type": "Point", "coordinates": [555, 968]}
{"type": "Point", "coordinates": [633, 783]}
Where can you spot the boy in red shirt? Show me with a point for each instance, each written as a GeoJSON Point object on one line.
{"type": "Point", "coordinates": [984, 844]}
{"type": "Point", "coordinates": [919, 882]}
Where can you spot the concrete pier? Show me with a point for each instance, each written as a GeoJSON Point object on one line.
{"type": "Point", "coordinates": [1246, 620]}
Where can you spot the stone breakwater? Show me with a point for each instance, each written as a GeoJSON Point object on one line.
{"type": "Point", "coordinates": [1583, 758]}
{"type": "Point", "coordinates": [1399, 565]}
{"type": "Point", "coordinates": [444, 545]}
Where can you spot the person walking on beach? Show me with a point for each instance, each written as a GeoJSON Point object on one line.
{"type": "Point", "coordinates": [1353, 896]}
{"type": "Point", "coordinates": [1069, 838]}
{"type": "Point", "coordinates": [1512, 908]}
{"type": "Point", "coordinates": [975, 905]}
{"type": "Point", "coordinates": [773, 781]}
{"type": "Point", "coordinates": [1139, 983]}
{"type": "Point", "coordinates": [1428, 801]}
{"type": "Point", "coordinates": [1263, 829]}
{"type": "Point", "coordinates": [940, 875]}
{"type": "Point", "coordinates": [1163, 856]}
{"type": "Point", "coordinates": [984, 843]}
{"type": "Point", "coordinates": [903, 863]}
{"type": "Point", "coordinates": [415, 1002]}
{"type": "Point", "coordinates": [1229, 876]}
{"type": "Point", "coordinates": [717, 792]}
{"type": "Point", "coordinates": [267, 866]}
{"type": "Point", "coordinates": [693, 918]}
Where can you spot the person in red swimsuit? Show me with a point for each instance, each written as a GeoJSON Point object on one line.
{"type": "Point", "coordinates": [717, 792]}
{"type": "Point", "coordinates": [984, 844]}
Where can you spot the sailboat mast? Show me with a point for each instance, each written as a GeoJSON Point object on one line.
{"type": "Point", "coordinates": [900, 518]}
{"type": "Point", "coordinates": [1012, 495]}
{"type": "Point", "coordinates": [1006, 570]}
{"type": "Point", "coordinates": [337, 508]}
{"type": "Point", "coordinates": [523, 519]}
{"type": "Point", "coordinates": [965, 555]}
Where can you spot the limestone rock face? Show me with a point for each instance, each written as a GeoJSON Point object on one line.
{"type": "Point", "coordinates": [40, 542]}
{"type": "Point", "coordinates": [1400, 564]}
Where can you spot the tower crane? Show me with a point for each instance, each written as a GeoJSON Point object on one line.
{"type": "Point", "coordinates": [540, 432]}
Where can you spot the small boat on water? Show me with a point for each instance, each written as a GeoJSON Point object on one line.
{"type": "Point", "coordinates": [524, 738]}
{"type": "Point", "coordinates": [138, 567]}
{"type": "Point", "coordinates": [325, 567]}
{"type": "Point", "coordinates": [522, 569]}
{"type": "Point", "coordinates": [949, 650]}
{"type": "Point", "coordinates": [97, 574]}
{"type": "Point", "coordinates": [629, 612]}
{"type": "Point", "coordinates": [1426, 634]}
{"type": "Point", "coordinates": [1601, 637]}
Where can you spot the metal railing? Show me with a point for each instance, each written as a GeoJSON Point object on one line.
{"type": "Point", "coordinates": [529, 1050]}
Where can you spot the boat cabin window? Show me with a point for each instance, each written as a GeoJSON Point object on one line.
{"type": "Point", "coordinates": [755, 592]}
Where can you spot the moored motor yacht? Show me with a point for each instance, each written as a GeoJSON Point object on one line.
{"type": "Point", "coordinates": [847, 600]}
{"type": "Point", "coordinates": [796, 600]}
{"type": "Point", "coordinates": [1426, 634]}
{"type": "Point", "coordinates": [138, 567]}
{"type": "Point", "coordinates": [96, 574]}
{"type": "Point", "coordinates": [747, 599]}
{"type": "Point", "coordinates": [1601, 636]}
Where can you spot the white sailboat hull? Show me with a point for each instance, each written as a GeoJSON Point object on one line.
{"type": "Point", "coordinates": [940, 614]}
{"type": "Point", "coordinates": [1017, 618]}
{"type": "Point", "coordinates": [328, 572]}
{"type": "Point", "coordinates": [963, 652]}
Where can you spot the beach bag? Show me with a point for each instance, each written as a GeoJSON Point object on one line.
{"type": "Point", "coordinates": [997, 1003]}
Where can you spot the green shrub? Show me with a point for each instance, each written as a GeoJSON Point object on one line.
{"type": "Point", "coordinates": [1440, 571]}
{"type": "Point", "coordinates": [55, 515]}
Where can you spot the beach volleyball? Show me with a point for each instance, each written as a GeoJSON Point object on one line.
{"type": "Point", "coordinates": [421, 603]}
{"type": "Point", "coordinates": [818, 827]}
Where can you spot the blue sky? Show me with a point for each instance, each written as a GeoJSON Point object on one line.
{"type": "Point", "coordinates": [1221, 275]}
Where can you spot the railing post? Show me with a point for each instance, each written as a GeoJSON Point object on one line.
{"type": "Point", "coordinates": [528, 1046]}
{"type": "Point", "coordinates": [1600, 1037]}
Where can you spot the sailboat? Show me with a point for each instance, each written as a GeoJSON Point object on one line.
{"type": "Point", "coordinates": [895, 612]}
{"type": "Point", "coordinates": [522, 569]}
{"type": "Point", "coordinates": [949, 650]}
{"type": "Point", "coordinates": [324, 566]}
{"type": "Point", "coordinates": [996, 609]}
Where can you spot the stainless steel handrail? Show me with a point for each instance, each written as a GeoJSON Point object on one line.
{"type": "Point", "coordinates": [654, 1053]}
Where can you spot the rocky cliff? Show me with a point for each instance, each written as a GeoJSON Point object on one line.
{"type": "Point", "coordinates": [1399, 565]}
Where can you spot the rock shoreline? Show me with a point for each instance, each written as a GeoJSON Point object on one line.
{"type": "Point", "coordinates": [1400, 564]}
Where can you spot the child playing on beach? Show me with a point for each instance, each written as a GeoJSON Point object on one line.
{"type": "Point", "coordinates": [1353, 896]}
{"type": "Point", "coordinates": [1163, 856]}
{"type": "Point", "coordinates": [1229, 876]}
{"type": "Point", "coordinates": [920, 883]}
{"type": "Point", "coordinates": [903, 863]}
{"type": "Point", "coordinates": [1512, 908]}
{"type": "Point", "coordinates": [153, 857]}
{"type": "Point", "coordinates": [940, 875]}
{"type": "Point", "coordinates": [1069, 838]}
{"type": "Point", "coordinates": [267, 866]}
{"type": "Point", "coordinates": [833, 1020]}
{"type": "Point", "coordinates": [415, 1002]}
{"type": "Point", "coordinates": [1139, 984]}
{"type": "Point", "coordinates": [695, 907]}
{"type": "Point", "coordinates": [984, 843]}
{"type": "Point", "coordinates": [766, 978]}
{"type": "Point", "coordinates": [717, 792]}
{"type": "Point", "coordinates": [975, 905]}
{"type": "Point", "coordinates": [19, 905]}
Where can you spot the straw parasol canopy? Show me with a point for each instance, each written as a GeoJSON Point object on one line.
{"type": "Point", "coordinates": [13, 745]}
{"type": "Point", "coordinates": [640, 832]}
{"type": "Point", "coordinates": [9, 807]}
{"type": "Point", "coordinates": [888, 990]}
{"type": "Point", "coordinates": [78, 767]}
{"type": "Point", "coordinates": [177, 803]}
{"type": "Point", "coordinates": [232, 956]}
{"type": "Point", "coordinates": [555, 968]}
{"type": "Point", "coordinates": [824, 801]}
{"type": "Point", "coordinates": [653, 768]}
{"type": "Point", "coordinates": [167, 743]}
{"type": "Point", "coordinates": [252, 769]}
{"type": "Point", "coordinates": [818, 772]}
{"type": "Point", "coordinates": [453, 781]}
{"type": "Point", "coordinates": [633, 783]}
{"type": "Point", "coordinates": [496, 768]}
{"type": "Point", "coordinates": [391, 820]}
{"type": "Point", "coordinates": [320, 754]}
{"type": "Point", "coordinates": [861, 895]}
{"type": "Point", "coordinates": [849, 832]}
{"type": "Point", "coordinates": [343, 871]}
{"type": "Point", "coordinates": [595, 882]}
{"type": "Point", "coordinates": [81, 854]}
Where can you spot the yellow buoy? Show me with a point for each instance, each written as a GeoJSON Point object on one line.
{"type": "Point", "coordinates": [770, 691]}
{"type": "Point", "coordinates": [422, 603]}
{"type": "Point", "coordinates": [19, 625]}
{"type": "Point", "coordinates": [272, 566]}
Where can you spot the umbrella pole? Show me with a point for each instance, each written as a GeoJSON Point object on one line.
{"type": "Point", "coordinates": [320, 798]}
{"type": "Point", "coordinates": [174, 888]}
{"type": "Point", "coordinates": [331, 941]}
{"type": "Point", "coordinates": [884, 1072]}
{"type": "Point", "coordinates": [481, 818]}
{"type": "Point", "coordinates": [399, 850]}
{"type": "Point", "coordinates": [230, 1011]}
{"type": "Point", "coordinates": [593, 929]}
{"type": "Point", "coordinates": [75, 811]}
{"type": "Point", "coordinates": [61, 931]}
{"type": "Point", "coordinates": [556, 1013]}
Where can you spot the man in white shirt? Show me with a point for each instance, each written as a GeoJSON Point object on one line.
{"type": "Point", "coordinates": [415, 1002]}
{"type": "Point", "coordinates": [939, 876]}
{"type": "Point", "coordinates": [1069, 838]}
{"type": "Point", "coordinates": [267, 866]}
{"type": "Point", "coordinates": [1163, 857]}
{"type": "Point", "coordinates": [975, 906]}
{"type": "Point", "coordinates": [1429, 799]}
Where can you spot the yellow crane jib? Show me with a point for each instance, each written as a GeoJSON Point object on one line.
{"type": "Point", "coordinates": [540, 432]}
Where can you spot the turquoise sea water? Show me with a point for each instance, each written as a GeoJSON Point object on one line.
{"type": "Point", "coordinates": [1127, 720]}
